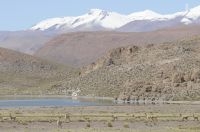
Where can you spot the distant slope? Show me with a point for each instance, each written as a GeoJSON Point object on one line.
{"type": "Point", "coordinates": [169, 71]}
{"type": "Point", "coordinates": [82, 48]}
{"type": "Point", "coordinates": [148, 25]}
{"type": "Point", "coordinates": [24, 41]}
{"type": "Point", "coordinates": [24, 74]}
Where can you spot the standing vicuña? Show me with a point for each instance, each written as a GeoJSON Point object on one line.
{"type": "Point", "coordinates": [67, 117]}
{"type": "Point", "coordinates": [151, 117]}
{"type": "Point", "coordinates": [184, 118]}
{"type": "Point", "coordinates": [12, 117]}
{"type": "Point", "coordinates": [59, 122]}
{"type": "Point", "coordinates": [196, 118]}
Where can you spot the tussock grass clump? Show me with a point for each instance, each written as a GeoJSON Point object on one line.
{"type": "Point", "coordinates": [110, 124]}
{"type": "Point", "coordinates": [81, 120]}
{"type": "Point", "coordinates": [88, 125]}
{"type": "Point", "coordinates": [126, 125]}
{"type": "Point", "coordinates": [114, 118]}
{"type": "Point", "coordinates": [23, 123]}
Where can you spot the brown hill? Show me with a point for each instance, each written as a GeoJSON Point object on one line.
{"type": "Point", "coordinates": [170, 71]}
{"type": "Point", "coordinates": [83, 48]}
{"type": "Point", "coordinates": [25, 74]}
{"type": "Point", "coordinates": [24, 41]}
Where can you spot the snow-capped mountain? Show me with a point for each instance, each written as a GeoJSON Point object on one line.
{"type": "Point", "coordinates": [144, 15]}
{"type": "Point", "coordinates": [192, 16]}
{"type": "Point", "coordinates": [97, 19]}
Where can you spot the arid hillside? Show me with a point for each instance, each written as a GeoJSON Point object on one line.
{"type": "Point", "coordinates": [24, 74]}
{"type": "Point", "coordinates": [82, 48]}
{"type": "Point", "coordinates": [24, 41]}
{"type": "Point", "coordinates": [169, 71]}
{"type": "Point", "coordinates": [157, 65]}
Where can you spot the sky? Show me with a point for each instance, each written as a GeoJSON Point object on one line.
{"type": "Point", "coordinates": [23, 14]}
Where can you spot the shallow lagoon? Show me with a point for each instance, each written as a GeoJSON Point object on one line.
{"type": "Point", "coordinates": [51, 101]}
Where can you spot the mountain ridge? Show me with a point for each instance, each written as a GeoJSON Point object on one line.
{"type": "Point", "coordinates": [113, 20]}
{"type": "Point", "coordinates": [82, 48]}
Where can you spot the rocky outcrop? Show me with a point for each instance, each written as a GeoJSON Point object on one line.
{"type": "Point", "coordinates": [114, 57]}
{"type": "Point", "coordinates": [167, 71]}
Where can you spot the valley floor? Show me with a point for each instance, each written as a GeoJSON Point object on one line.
{"type": "Point", "coordinates": [137, 118]}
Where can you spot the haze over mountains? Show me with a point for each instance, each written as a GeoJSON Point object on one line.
{"type": "Point", "coordinates": [82, 48]}
{"type": "Point", "coordinates": [31, 40]}
{"type": "Point", "coordinates": [24, 41]}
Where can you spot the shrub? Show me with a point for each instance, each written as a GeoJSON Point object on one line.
{"type": "Point", "coordinates": [178, 78]}
{"type": "Point", "coordinates": [126, 125]}
{"type": "Point", "coordinates": [195, 75]}
{"type": "Point", "coordinates": [110, 124]}
{"type": "Point", "coordinates": [88, 125]}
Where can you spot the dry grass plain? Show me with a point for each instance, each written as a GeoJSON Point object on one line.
{"type": "Point", "coordinates": [128, 118]}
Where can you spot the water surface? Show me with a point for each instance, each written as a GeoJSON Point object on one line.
{"type": "Point", "coordinates": [51, 102]}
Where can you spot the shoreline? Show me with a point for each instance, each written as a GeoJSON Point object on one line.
{"type": "Point", "coordinates": [101, 98]}
{"type": "Point", "coordinates": [54, 96]}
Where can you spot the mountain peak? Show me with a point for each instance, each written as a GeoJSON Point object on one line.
{"type": "Point", "coordinates": [197, 8]}
{"type": "Point", "coordinates": [144, 15]}
{"type": "Point", "coordinates": [98, 12]}
{"type": "Point", "coordinates": [149, 12]}
{"type": "Point", "coordinates": [95, 10]}
{"type": "Point", "coordinates": [194, 13]}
